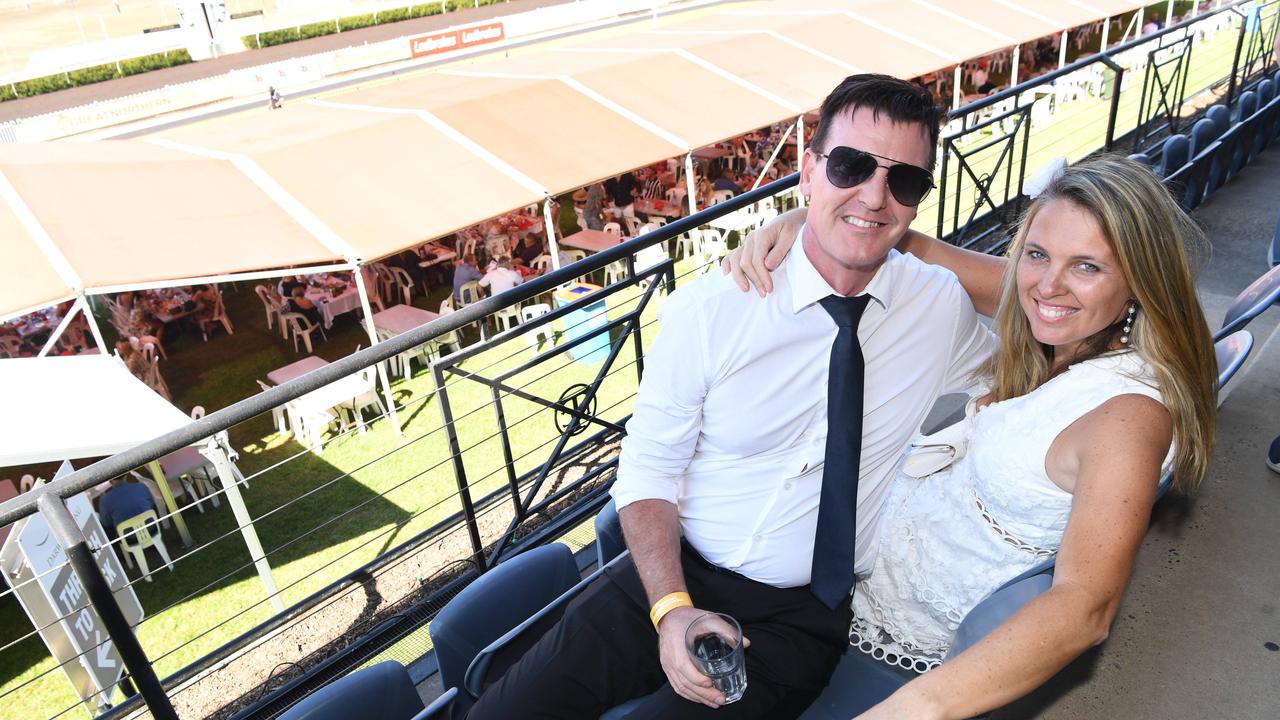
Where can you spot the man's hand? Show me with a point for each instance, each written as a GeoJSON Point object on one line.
{"type": "Point", "coordinates": [684, 676]}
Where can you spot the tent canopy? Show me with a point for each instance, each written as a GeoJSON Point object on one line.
{"type": "Point", "coordinates": [372, 170]}
{"type": "Point", "coordinates": [77, 407]}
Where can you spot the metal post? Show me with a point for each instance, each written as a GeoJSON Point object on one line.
{"type": "Point", "coordinates": [1013, 66]}
{"type": "Point", "coordinates": [799, 154]}
{"type": "Point", "coordinates": [93, 324]}
{"type": "Point", "coordinates": [1235, 64]}
{"type": "Point", "coordinates": [1118, 69]}
{"type": "Point", "coordinates": [230, 478]}
{"type": "Point", "coordinates": [80, 557]}
{"type": "Point", "coordinates": [1168, 14]}
{"type": "Point", "coordinates": [955, 88]}
{"type": "Point", "coordinates": [553, 245]}
{"type": "Point", "coordinates": [373, 338]}
{"type": "Point", "coordinates": [1106, 30]}
{"type": "Point", "coordinates": [1062, 50]}
{"type": "Point", "coordinates": [690, 188]}
{"type": "Point", "coordinates": [167, 494]}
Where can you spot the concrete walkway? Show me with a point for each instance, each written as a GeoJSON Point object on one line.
{"type": "Point", "coordinates": [1198, 635]}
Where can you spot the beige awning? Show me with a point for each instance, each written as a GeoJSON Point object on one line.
{"type": "Point", "coordinates": [370, 171]}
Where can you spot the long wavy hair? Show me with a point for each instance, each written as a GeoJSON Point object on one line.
{"type": "Point", "coordinates": [1149, 234]}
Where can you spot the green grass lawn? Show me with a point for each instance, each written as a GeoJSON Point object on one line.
{"type": "Point", "coordinates": [321, 515]}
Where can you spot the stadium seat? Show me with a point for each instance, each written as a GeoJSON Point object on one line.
{"type": "Point", "coordinates": [383, 691]}
{"type": "Point", "coordinates": [490, 607]}
{"type": "Point", "coordinates": [1173, 155]}
{"type": "Point", "coordinates": [1273, 255]}
{"type": "Point", "coordinates": [1250, 303]}
{"type": "Point", "coordinates": [609, 540]}
{"type": "Point", "coordinates": [441, 708]}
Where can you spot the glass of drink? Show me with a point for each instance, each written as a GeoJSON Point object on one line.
{"type": "Point", "coordinates": [714, 641]}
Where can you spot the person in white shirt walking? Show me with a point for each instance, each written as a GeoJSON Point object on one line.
{"type": "Point", "coordinates": [764, 435]}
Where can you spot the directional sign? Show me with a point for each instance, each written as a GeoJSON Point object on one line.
{"type": "Point", "coordinates": [78, 639]}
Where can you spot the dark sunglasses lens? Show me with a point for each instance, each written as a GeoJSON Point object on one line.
{"type": "Point", "coordinates": [909, 184]}
{"type": "Point", "coordinates": [847, 167]}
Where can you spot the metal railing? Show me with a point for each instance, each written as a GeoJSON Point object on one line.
{"type": "Point", "coordinates": [525, 426]}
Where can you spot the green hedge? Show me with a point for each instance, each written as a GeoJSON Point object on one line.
{"type": "Point", "coordinates": [318, 29]}
{"type": "Point", "coordinates": [356, 22]}
{"type": "Point", "coordinates": [418, 11]}
{"type": "Point", "coordinates": [390, 16]}
{"type": "Point", "coordinates": [95, 74]}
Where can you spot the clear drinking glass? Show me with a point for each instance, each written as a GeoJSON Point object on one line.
{"type": "Point", "coordinates": [714, 641]}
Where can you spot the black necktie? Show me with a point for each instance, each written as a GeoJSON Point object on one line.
{"type": "Point", "coordinates": [833, 543]}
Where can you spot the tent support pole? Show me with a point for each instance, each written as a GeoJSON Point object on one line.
{"type": "Point", "coordinates": [773, 156]}
{"type": "Point", "coordinates": [549, 223]}
{"type": "Point", "coordinates": [93, 325]}
{"type": "Point", "coordinates": [690, 188]}
{"type": "Point", "coordinates": [230, 478]}
{"type": "Point", "coordinates": [62, 326]}
{"type": "Point", "coordinates": [167, 494]}
{"type": "Point", "coordinates": [373, 338]}
{"type": "Point", "coordinates": [1106, 30]}
{"type": "Point", "coordinates": [1062, 50]}
{"type": "Point", "coordinates": [1013, 65]}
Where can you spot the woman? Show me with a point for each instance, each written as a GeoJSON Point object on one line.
{"type": "Point", "coordinates": [1104, 379]}
{"type": "Point", "coordinates": [299, 303]}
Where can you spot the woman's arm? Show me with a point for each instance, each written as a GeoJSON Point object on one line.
{"type": "Point", "coordinates": [763, 250]}
{"type": "Point", "coordinates": [1114, 455]}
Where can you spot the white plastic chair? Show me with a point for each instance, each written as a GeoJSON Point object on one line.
{"type": "Point", "coordinates": [277, 412]}
{"type": "Point", "coordinates": [633, 225]}
{"type": "Point", "coordinates": [720, 196]}
{"type": "Point", "coordinates": [271, 306]}
{"type": "Point", "coordinates": [219, 316]}
{"type": "Point", "coordinates": [10, 346]}
{"type": "Point", "coordinates": [26, 483]}
{"type": "Point", "coordinates": [135, 537]}
{"type": "Point", "coordinates": [400, 277]}
{"type": "Point", "coordinates": [369, 398]}
{"type": "Point", "coordinates": [469, 293]}
{"type": "Point", "coordinates": [538, 335]}
{"type": "Point", "coordinates": [542, 264]}
{"type": "Point", "coordinates": [580, 218]}
{"type": "Point", "coordinates": [615, 272]}
{"type": "Point", "coordinates": [710, 247]}
{"type": "Point", "coordinates": [302, 327]}
{"type": "Point", "coordinates": [506, 318]}
{"type": "Point", "coordinates": [450, 339]}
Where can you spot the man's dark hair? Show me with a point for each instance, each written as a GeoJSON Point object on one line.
{"type": "Point", "coordinates": [897, 100]}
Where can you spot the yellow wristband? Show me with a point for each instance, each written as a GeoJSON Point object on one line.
{"type": "Point", "coordinates": [669, 602]}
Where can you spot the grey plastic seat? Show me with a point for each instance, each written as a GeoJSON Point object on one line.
{"type": "Point", "coordinates": [1175, 153]}
{"type": "Point", "coordinates": [490, 607]}
{"type": "Point", "coordinates": [382, 691]}
{"type": "Point", "coordinates": [1273, 254]}
{"type": "Point", "coordinates": [609, 540]}
{"type": "Point", "coordinates": [1250, 303]}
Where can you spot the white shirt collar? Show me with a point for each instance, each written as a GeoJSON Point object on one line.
{"type": "Point", "coordinates": [808, 286]}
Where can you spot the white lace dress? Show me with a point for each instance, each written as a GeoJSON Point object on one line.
{"type": "Point", "coordinates": [950, 539]}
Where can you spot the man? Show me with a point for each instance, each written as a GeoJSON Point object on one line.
{"type": "Point", "coordinates": [622, 190]}
{"type": "Point", "coordinates": [464, 271]}
{"type": "Point", "coordinates": [728, 180]}
{"type": "Point", "coordinates": [501, 278]}
{"type": "Point", "coordinates": [756, 435]}
{"type": "Point", "coordinates": [123, 500]}
{"type": "Point", "coordinates": [593, 207]}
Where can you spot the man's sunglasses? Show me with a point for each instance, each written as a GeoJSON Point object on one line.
{"type": "Point", "coordinates": [847, 167]}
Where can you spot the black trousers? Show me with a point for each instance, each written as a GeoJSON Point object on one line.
{"type": "Point", "coordinates": [604, 652]}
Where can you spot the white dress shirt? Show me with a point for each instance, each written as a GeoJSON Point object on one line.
{"type": "Point", "coordinates": [730, 422]}
{"type": "Point", "coordinates": [501, 279]}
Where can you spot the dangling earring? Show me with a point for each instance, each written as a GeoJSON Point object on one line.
{"type": "Point", "coordinates": [1128, 324]}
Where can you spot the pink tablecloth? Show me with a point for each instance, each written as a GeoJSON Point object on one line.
{"type": "Point", "coordinates": [592, 240]}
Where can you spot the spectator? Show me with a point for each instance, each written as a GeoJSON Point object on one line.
{"type": "Point", "coordinates": [652, 187]}
{"type": "Point", "coordinates": [622, 190]}
{"type": "Point", "coordinates": [530, 249]}
{"type": "Point", "coordinates": [728, 180]}
{"type": "Point", "coordinates": [288, 283]}
{"type": "Point", "coordinates": [464, 271]}
{"type": "Point", "coordinates": [501, 278]}
{"type": "Point", "coordinates": [123, 500]}
{"type": "Point", "coordinates": [593, 207]}
{"type": "Point", "coordinates": [299, 303]}
{"type": "Point", "coordinates": [273, 96]}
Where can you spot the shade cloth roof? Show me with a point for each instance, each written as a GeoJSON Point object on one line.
{"type": "Point", "coordinates": [370, 171]}
{"type": "Point", "coordinates": [76, 407]}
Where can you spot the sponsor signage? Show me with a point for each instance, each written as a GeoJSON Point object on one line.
{"type": "Point", "coordinates": [440, 42]}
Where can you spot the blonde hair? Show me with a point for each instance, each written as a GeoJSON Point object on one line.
{"type": "Point", "coordinates": [1148, 232]}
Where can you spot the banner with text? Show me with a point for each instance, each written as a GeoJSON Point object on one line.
{"type": "Point", "coordinates": [433, 43]}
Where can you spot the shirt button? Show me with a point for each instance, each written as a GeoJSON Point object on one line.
{"type": "Point", "coordinates": [787, 486]}
{"type": "Point", "coordinates": [757, 538]}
